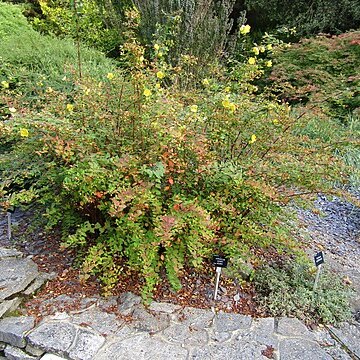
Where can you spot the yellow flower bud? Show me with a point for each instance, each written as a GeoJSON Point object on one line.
{"type": "Point", "coordinates": [70, 107]}
{"type": "Point", "coordinates": [244, 29]}
{"type": "Point", "coordinates": [253, 139]}
{"type": "Point", "coordinates": [24, 132]}
{"type": "Point", "coordinates": [194, 108]}
{"type": "Point", "coordinates": [160, 75]}
{"type": "Point", "coordinates": [147, 92]}
{"type": "Point", "coordinates": [5, 84]}
{"type": "Point", "coordinates": [252, 61]}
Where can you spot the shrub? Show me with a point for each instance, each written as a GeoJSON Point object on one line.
{"type": "Point", "coordinates": [321, 71]}
{"type": "Point", "coordinates": [97, 23]}
{"type": "Point", "coordinates": [143, 174]}
{"type": "Point", "coordinates": [202, 27]}
{"type": "Point", "coordinates": [319, 16]}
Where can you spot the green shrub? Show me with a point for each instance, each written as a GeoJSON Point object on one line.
{"type": "Point", "coordinates": [202, 28]}
{"type": "Point", "coordinates": [142, 174]}
{"type": "Point", "coordinates": [321, 72]}
{"type": "Point", "coordinates": [97, 23]}
{"type": "Point", "coordinates": [288, 291]}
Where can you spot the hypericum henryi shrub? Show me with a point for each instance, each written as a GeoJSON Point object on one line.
{"type": "Point", "coordinates": [137, 171]}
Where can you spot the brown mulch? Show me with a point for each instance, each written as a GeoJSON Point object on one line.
{"type": "Point", "coordinates": [197, 288]}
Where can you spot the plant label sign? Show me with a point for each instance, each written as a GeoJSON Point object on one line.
{"type": "Point", "coordinates": [319, 258]}
{"type": "Point", "coordinates": [219, 261]}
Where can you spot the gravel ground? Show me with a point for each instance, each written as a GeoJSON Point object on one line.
{"type": "Point", "coordinates": [333, 226]}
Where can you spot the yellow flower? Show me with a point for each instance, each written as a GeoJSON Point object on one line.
{"type": "Point", "coordinates": [160, 75]}
{"type": "Point", "coordinates": [70, 107]}
{"type": "Point", "coordinates": [227, 89]}
{"type": "Point", "coordinates": [275, 121]}
{"type": "Point", "coordinates": [206, 82]}
{"type": "Point", "coordinates": [110, 76]}
{"type": "Point", "coordinates": [255, 50]}
{"type": "Point", "coordinates": [158, 86]}
{"type": "Point", "coordinates": [12, 110]}
{"type": "Point", "coordinates": [245, 29]}
{"type": "Point", "coordinates": [262, 48]}
{"type": "Point", "coordinates": [157, 47]}
{"type": "Point", "coordinates": [252, 61]}
{"type": "Point", "coordinates": [194, 108]}
{"type": "Point", "coordinates": [160, 54]}
{"type": "Point", "coordinates": [269, 46]}
{"type": "Point", "coordinates": [253, 139]}
{"type": "Point", "coordinates": [24, 132]}
{"type": "Point", "coordinates": [5, 84]}
{"type": "Point", "coordinates": [226, 103]}
{"type": "Point", "coordinates": [268, 63]}
{"type": "Point", "coordinates": [232, 107]}
{"type": "Point", "coordinates": [147, 92]}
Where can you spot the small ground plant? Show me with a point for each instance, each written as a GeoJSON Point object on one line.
{"type": "Point", "coordinates": [288, 291]}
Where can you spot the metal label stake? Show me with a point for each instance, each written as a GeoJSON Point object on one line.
{"type": "Point", "coordinates": [9, 225]}
{"type": "Point", "coordinates": [218, 273]}
{"type": "Point", "coordinates": [220, 262]}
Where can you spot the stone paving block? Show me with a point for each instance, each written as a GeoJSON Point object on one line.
{"type": "Point", "coordinates": [295, 349]}
{"type": "Point", "coordinates": [33, 350]}
{"type": "Point", "coordinates": [262, 332]}
{"type": "Point", "coordinates": [35, 285]}
{"type": "Point", "coordinates": [330, 345]}
{"type": "Point", "coordinates": [101, 321]}
{"type": "Point", "coordinates": [54, 337]}
{"type": "Point", "coordinates": [230, 351]}
{"type": "Point", "coordinates": [164, 307]}
{"type": "Point", "coordinates": [52, 357]}
{"type": "Point", "coordinates": [186, 335]}
{"type": "Point", "coordinates": [127, 303]}
{"type": "Point", "coordinates": [9, 253]}
{"type": "Point", "coordinates": [349, 334]}
{"type": "Point", "coordinates": [225, 322]}
{"type": "Point", "coordinates": [197, 318]}
{"type": "Point", "coordinates": [292, 327]}
{"type": "Point", "coordinates": [86, 345]}
{"type": "Point", "coordinates": [145, 321]}
{"type": "Point", "coordinates": [141, 347]}
{"type": "Point", "coordinates": [14, 353]}
{"type": "Point", "coordinates": [14, 329]}
{"type": "Point", "coordinates": [16, 275]}
{"type": "Point", "coordinates": [9, 305]}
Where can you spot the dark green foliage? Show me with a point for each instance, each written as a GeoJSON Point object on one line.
{"type": "Point", "coordinates": [327, 16]}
